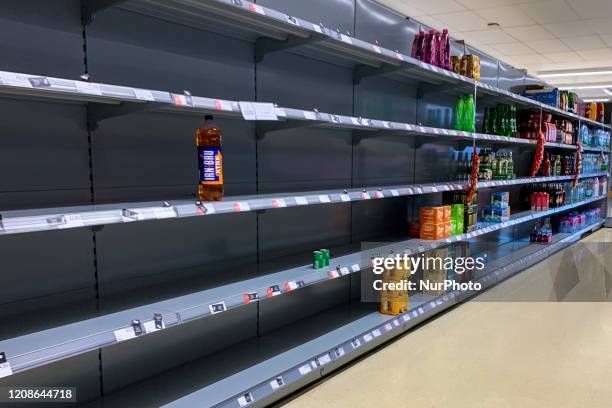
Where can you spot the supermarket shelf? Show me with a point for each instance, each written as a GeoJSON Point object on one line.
{"type": "Point", "coordinates": [47, 219]}
{"type": "Point", "coordinates": [317, 354]}
{"type": "Point", "coordinates": [43, 347]}
{"type": "Point", "coordinates": [273, 31]}
{"type": "Point", "coordinates": [595, 149]}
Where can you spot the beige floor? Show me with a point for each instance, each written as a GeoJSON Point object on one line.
{"type": "Point", "coordinates": [488, 353]}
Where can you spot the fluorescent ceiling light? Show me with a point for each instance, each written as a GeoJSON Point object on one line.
{"type": "Point", "coordinates": [597, 100]}
{"type": "Point", "coordinates": [564, 73]}
{"type": "Point", "coordinates": [567, 87]}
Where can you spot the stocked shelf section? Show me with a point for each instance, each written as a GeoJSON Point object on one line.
{"type": "Point", "coordinates": [361, 330]}
{"type": "Point", "coordinates": [24, 221]}
{"type": "Point", "coordinates": [274, 31]}
{"type": "Point", "coordinates": [41, 348]}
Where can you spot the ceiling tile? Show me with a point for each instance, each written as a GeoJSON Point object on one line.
{"type": "Point", "coordinates": [592, 8]}
{"type": "Point", "coordinates": [529, 33]}
{"type": "Point", "coordinates": [551, 11]}
{"type": "Point", "coordinates": [435, 6]}
{"type": "Point", "coordinates": [435, 23]}
{"type": "Point", "coordinates": [510, 16]}
{"type": "Point", "coordinates": [586, 42]}
{"type": "Point", "coordinates": [569, 29]}
{"type": "Point", "coordinates": [548, 46]}
{"type": "Point", "coordinates": [607, 39]}
{"type": "Point", "coordinates": [512, 49]}
{"type": "Point", "coordinates": [533, 59]}
{"type": "Point", "coordinates": [596, 55]}
{"type": "Point", "coordinates": [599, 25]}
{"type": "Point", "coordinates": [567, 56]}
{"type": "Point", "coordinates": [479, 4]}
{"type": "Point", "coordinates": [488, 37]}
{"type": "Point", "coordinates": [463, 20]}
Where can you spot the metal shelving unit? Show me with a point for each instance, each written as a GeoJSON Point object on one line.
{"type": "Point", "coordinates": [40, 348]}
{"type": "Point", "coordinates": [270, 379]}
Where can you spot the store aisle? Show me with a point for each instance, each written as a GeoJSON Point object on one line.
{"type": "Point", "coordinates": [488, 353]}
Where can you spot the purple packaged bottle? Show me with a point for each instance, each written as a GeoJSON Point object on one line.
{"type": "Point", "coordinates": [416, 45]}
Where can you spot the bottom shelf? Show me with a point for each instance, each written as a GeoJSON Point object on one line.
{"type": "Point", "coordinates": [265, 369]}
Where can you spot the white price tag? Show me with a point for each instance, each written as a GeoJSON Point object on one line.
{"type": "Point", "coordinates": [10, 78]}
{"type": "Point", "coordinates": [241, 206]}
{"type": "Point", "coordinates": [405, 317]}
{"type": "Point", "coordinates": [394, 193]}
{"type": "Point", "coordinates": [346, 39]}
{"type": "Point", "coordinates": [421, 311]}
{"type": "Point", "coordinates": [128, 215]}
{"type": "Point", "coordinates": [258, 111]}
{"type": "Point", "coordinates": [317, 28]}
{"type": "Point", "coordinates": [88, 88]}
{"type": "Point", "coordinates": [386, 124]}
{"type": "Point", "coordinates": [164, 212]}
{"type": "Point", "coordinates": [72, 221]}
{"type": "Point", "coordinates": [356, 121]}
{"type": "Point", "coordinates": [305, 369]}
{"type": "Point", "coordinates": [310, 115]}
{"type": "Point", "coordinates": [376, 332]}
{"type": "Point", "coordinates": [367, 337]}
{"type": "Point", "coordinates": [417, 190]}
{"type": "Point", "coordinates": [344, 271]}
{"type": "Point", "coordinates": [339, 351]}
{"type": "Point", "coordinates": [144, 95]}
{"type": "Point", "coordinates": [277, 383]}
{"type": "Point", "coordinates": [5, 368]}
{"type": "Point", "coordinates": [356, 343]}
{"type": "Point", "coordinates": [217, 308]}
{"type": "Point", "coordinates": [355, 268]}
{"type": "Point", "coordinates": [345, 197]}
{"type": "Point", "coordinates": [301, 200]}
{"type": "Point", "coordinates": [279, 203]}
{"type": "Point", "coordinates": [396, 323]}
{"type": "Point", "coordinates": [245, 400]}
{"type": "Point", "coordinates": [324, 198]}
{"type": "Point", "coordinates": [150, 326]}
{"type": "Point", "coordinates": [415, 314]}
{"type": "Point", "coordinates": [126, 333]}
{"type": "Point", "coordinates": [324, 359]}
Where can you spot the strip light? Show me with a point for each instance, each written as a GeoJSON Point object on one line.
{"type": "Point", "coordinates": [597, 100]}
{"type": "Point", "coordinates": [565, 88]}
{"type": "Point", "coordinates": [555, 74]}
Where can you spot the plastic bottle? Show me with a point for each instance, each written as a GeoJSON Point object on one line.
{"type": "Point", "coordinates": [210, 161]}
{"type": "Point", "coordinates": [460, 114]}
{"type": "Point", "coordinates": [424, 47]}
{"type": "Point", "coordinates": [416, 45]}
{"type": "Point", "coordinates": [434, 50]}
{"type": "Point", "coordinates": [431, 48]}
{"type": "Point", "coordinates": [469, 113]}
{"type": "Point", "coordinates": [446, 50]}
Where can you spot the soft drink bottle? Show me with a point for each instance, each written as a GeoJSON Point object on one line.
{"type": "Point", "coordinates": [434, 50]}
{"type": "Point", "coordinates": [416, 45]}
{"type": "Point", "coordinates": [469, 113]}
{"type": "Point", "coordinates": [446, 50]}
{"type": "Point", "coordinates": [210, 161]}
{"type": "Point", "coordinates": [460, 114]}
{"type": "Point", "coordinates": [424, 47]}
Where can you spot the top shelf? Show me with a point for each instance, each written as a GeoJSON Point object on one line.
{"type": "Point", "coordinates": [274, 31]}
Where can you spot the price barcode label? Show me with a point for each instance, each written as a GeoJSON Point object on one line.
{"type": "Point", "coordinates": [13, 79]}
{"type": "Point", "coordinates": [394, 193]}
{"type": "Point", "coordinates": [324, 359]}
{"type": "Point", "coordinates": [151, 327]}
{"type": "Point", "coordinates": [245, 400]}
{"type": "Point", "coordinates": [305, 369]}
{"type": "Point", "coordinates": [144, 95]}
{"type": "Point", "coordinates": [376, 332]}
{"type": "Point", "coordinates": [344, 271]}
{"type": "Point", "coordinates": [355, 268]}
{"type": "Point", "coordinates": [418, 190]}
{"type": "Point", "coordinates": [367, 337]}
{"type": "Point", "coordinates": [421, 311]}
{"type": "Point", "coordinates": [345, 197]}
{"type": "Point", "coordinates": [355, 343]}
{"type": "Point", "coordinates": [339, 351]}
{"type": "Point", "coordinates": [241, 206]}
{"type": "Point", "coordinates": [126, 333]}
{"type": "Point", "coordinates": [405, 317]}
{"type": "Point", "coordinates": [279, 203]}
{"type": "Point", "coordinates": [396, 323]}
{"type": "Point", "coordinates": [301, 200]}
{"type": "Point", "coordinates": [309, 115]}
{"type": "Point", "coordinates": [72, 221]}
{"type": "Point", "coordinates": [324, 198]}
{"type": "Point", "coordinates": [217, 308]}
{"type": "Point", "coordinates": [88, 88]}
{"type": "Point", "coordinates": [434, 189]}
{"type": "Point", "coordinates": [277, 383]}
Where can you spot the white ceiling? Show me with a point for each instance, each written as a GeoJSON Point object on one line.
{"type": "Point", "coordinates": [538, 35]}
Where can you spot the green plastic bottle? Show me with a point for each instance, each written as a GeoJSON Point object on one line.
{"type": "Point", "coordinates": [470, 114]}
{"type": "Point", "coordinates": [460, 114]}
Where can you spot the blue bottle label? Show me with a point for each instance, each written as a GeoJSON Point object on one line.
{"type": "Point", "coordinates": [211, 165]}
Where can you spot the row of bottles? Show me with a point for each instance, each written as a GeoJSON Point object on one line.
{"type": "Point", "coordinates": [433, 48]}
{"type": "Point", "coordinates": [594, 137]}
{"type": "Point", "coordinates": [594, 163]}
{"type": "Point", "coordinates": [493, 165]}
{"type": "Point", "coordinates": [500, 120]}
{"type": "Point", "coordinates": [465, 114]}
{"type": "Point", "coordinates": [560, 164]}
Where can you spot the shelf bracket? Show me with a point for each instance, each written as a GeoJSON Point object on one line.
{"type": "Point", "coordinates": [264, 127]}
{"type": "Point", "coordinates": [364, 71]}
{"type": "Point", "coordinates": [89, 8]}
{"type": "Point", "coordinates": [97, 112]}
{"type": "Point", "coordinates": [264, 46]}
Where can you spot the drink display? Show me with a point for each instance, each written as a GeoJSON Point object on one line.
{"type": "Point", "coordinates": [435, 222]}
{"type": "Point", "coordinates": [210, 161]}
{"type": "Point", "coordinates": [497, 165]}
{"type": "Point", "coordinates": [499, 209]}
{"type": "Point", "coordinates": [594, 137]}
{"type": "Point", "coordinates": [500, 120]}
{"type": "Point", "coordinates": [575, 221]}
{"type": "Point", "coordinates": [542, 232]}
{"type": "Point", "coordinates": [465, 114]}
{"type": "Point", "coordinates": [433, 48]}
{"type": "Point", "coordinates": [543, 196]}
{"type": "Point", "coordinates": [594, 162]}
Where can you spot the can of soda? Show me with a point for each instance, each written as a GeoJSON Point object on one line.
{"type": "Point", "coordinates": [317, 257]}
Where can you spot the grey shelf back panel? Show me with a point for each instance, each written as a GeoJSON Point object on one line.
{"type": "Point", "coordinates": [42, 37]}
{"type": "Point", "coordinates": [126, 48]}
{"type": "Point", "coordinates": [342, 16]}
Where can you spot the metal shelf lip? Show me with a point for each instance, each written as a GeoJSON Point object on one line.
{"type": "Point", "coordinates": [51, 219]}
{"type": "Point", "coordinates": [40, 348]}
{"type": "Point", "coordinates": [310, 361]}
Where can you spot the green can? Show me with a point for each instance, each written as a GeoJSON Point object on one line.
{"type": "Point", "coordinates": [326, 257]}
{"type": "Point", "coordinates": [317, 258]}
